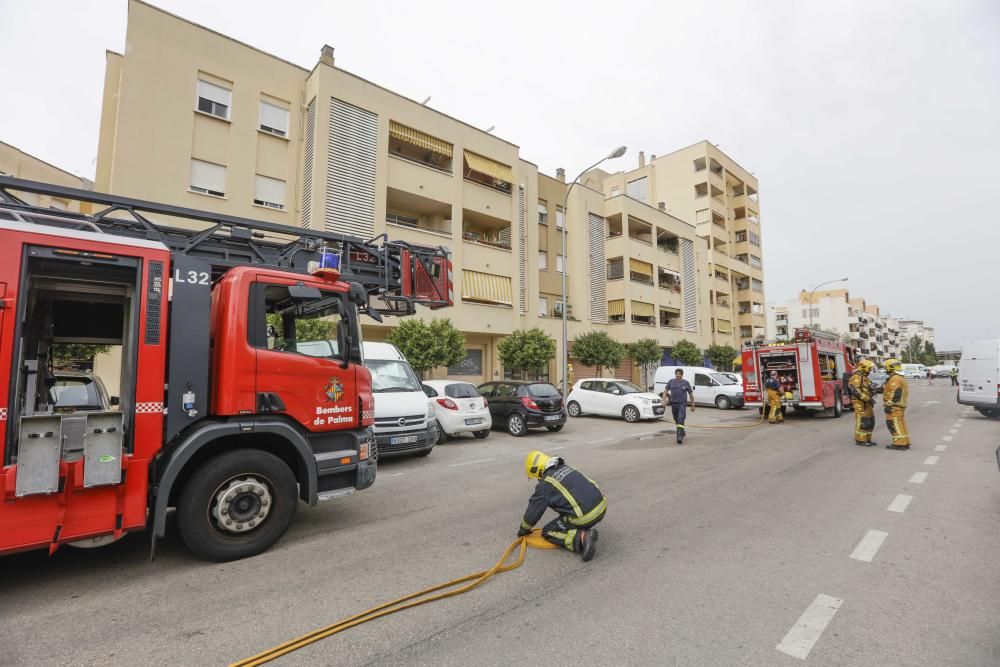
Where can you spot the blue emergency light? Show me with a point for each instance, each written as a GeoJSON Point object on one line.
{"type": "Point", "coordinates": [329, 260]}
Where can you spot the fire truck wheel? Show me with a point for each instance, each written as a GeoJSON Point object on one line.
{"type": "Point", "coordinates": [838, 405]}
{"type": "Point", "coordinates": [237, 505]}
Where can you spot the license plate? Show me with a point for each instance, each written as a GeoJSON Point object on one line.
{"type": "Point", "coordinates": [402, 439]}
{"type": "Point", "coordinates": [476, 420]}
{"type": "Point", "coordinates": [553, 418]}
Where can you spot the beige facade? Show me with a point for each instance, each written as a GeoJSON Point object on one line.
{"type": "Point", "coordinates": [15, 162]}
{"type": "Point", "coordinates": [222, 126]}
{"type": "Point", "coordinates": [706, 188]}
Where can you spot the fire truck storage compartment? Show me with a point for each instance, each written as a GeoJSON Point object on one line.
{"type": "Point", "coordinates": [785, 364]}
{"type": "Point", "coordinates": [72, 298]}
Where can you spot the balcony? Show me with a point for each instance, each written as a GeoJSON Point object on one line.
{"type": "Point", "coordinates": [487, 172]}
{"type": "Point", "coordinates": [670, 318]}
{"type": "Point", "coordinates": [667, 242]}
{"type": "Point", "coordinates": [486, 242]}
{"type": "Point", "coordinates": [414, 212]}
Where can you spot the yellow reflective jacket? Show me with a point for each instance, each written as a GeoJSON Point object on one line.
{"type": "Point", "coordinates": [860, 387]}
{"type": "Point", "coordinates": [895, 392]}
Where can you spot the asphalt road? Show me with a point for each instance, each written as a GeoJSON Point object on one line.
{"type": "Point", "coordinates": [760, 546]}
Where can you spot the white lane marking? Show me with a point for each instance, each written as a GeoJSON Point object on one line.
{"type": "Point", "coordinates": [957, 425]}
{"type": "Point", "coordinates": [940, 448]}
{"type": "Point", "coordinates": [926, 403]}
{"type": "Point", "coordinates": [869, 545]}
{"type": "Point", "coordinates": [469, 463]}
{"type": "Point", "coordinates": [952, 431]}
{"type": "Point", "coordinates": [931, 460]}
{"type": "Point", "coordinates": [600, 442]}
{"type": "Point", "coordinates": [811, 624]}
{"type": "Point", "coordinates": [918, 477]}
{"type": "Point", "coordinates": [555, 449]}
{"type": "Point", "coordinates": [947, 438]}
{"type": "Point", "coordinates": [390, 474]}
{"type": "Point", "coordinates": [899, 503]}
{"type": "Point", "coordinates": [639, 435]}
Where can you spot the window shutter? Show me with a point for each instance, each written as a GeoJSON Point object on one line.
{"type": "Point", "coordinates": [217, 94]}
{"type": "Point", "coordinates": [274, 117]}
{"type": "Point", "coordinates": [208, 176]}
{"type": "Point", "coordinates": [270, 190]}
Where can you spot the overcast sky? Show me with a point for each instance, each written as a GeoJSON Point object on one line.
{"type": "Point", "coordinates": [874, 127]}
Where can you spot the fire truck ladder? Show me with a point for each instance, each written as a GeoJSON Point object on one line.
{"type": "Point", "coordinates": [396, 275]}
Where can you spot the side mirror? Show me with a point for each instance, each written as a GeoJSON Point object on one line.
{"type": "Point", "coordinates": [114, 400]}
{"type": "Point", "coordinates": [343, 343]}
{"type": "Point", "coordinates": [300, 293]}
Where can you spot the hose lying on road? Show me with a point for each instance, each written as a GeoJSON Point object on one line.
{"type": "Point", "coordinates": [686, 425]}
{"type": "Point", "coordinates": [438, 592]}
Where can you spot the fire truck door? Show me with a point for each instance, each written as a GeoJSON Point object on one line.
{"type": "Point", "coordinates": [807, 376]}
{"type": "Point", "coordinates": [300, 370]}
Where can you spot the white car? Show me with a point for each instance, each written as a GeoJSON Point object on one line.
{"type": "Point", "coordinates": [614, 398]}
{"type": "Point", "coordinates": [458, 408]}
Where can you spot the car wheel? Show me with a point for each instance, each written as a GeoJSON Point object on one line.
{"type": "Point", "coordinates": [574, 409]}
{"type": "Point", "coordinates": [515, 425]}
{"type": "Point", "coordinates": [631, 414]}
{"type": "Point", "coordinates": [723, 402]}
{"type": "Point", "coordinates": [442, 436]}
{"type": "Point", "coordinates": [555, 428]}
{"type": "Point", "coordinates": [237, 505]}
{"type": "Point", "coordinates": [481, 434]}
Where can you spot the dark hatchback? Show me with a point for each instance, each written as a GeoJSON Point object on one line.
{"type": "Point", "coordinates": [519, 406]}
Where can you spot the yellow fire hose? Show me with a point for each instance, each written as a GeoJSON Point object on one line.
{"type": "Point", "coordinates": [535, 540]}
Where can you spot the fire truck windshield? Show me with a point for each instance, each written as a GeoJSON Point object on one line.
{"type": "Point", "coordinates": [308, 329]}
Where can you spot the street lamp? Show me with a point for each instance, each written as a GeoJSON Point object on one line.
{"type": "Point", "coordinates": [828, 282]}
{"type": "Point", "coordinates": [616, 153]}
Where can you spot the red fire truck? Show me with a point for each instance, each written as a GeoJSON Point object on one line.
{"type": "Point", "coordinates": [811, 370]}
{"type": "Point", "coordinates": [219, 415]}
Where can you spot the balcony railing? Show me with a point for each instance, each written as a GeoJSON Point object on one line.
{"type": "Point", "coordinates": [643, 278]}
{"type": "Point", "coordinates": [472, 237]}
{"type": "Point", "coordinates": [616, 271]}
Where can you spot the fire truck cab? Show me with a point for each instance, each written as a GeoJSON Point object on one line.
{"type": "Point", "coordinates": [811, 370]}
{"type": "Point", "coordinates": [223, 414]}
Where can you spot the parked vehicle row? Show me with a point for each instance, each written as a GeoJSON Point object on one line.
{"type": "Point", "coordinates": [710, 386]}
{"type": "Point", "coordinates": [613, 398]}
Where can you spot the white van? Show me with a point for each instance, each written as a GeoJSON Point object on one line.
{"type": "Point", "coordinates": [979, 376]}
{"type": "Point", "coordinates": [914, 371]}
{"type": "Point", "coordinates": [404, 421]}
{"type": "Point", "coordinates": [710, 386]}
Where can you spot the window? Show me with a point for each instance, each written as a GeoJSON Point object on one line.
{"type": "Point", "coordinates": [756, 285]}
{"type": "Point", "coordinates": [291, 326]}
{"type": "Point", "coordinates": [560, 217]}
{"type": "Point", "coordinates": [471, 365]}
{"type": "Point", "coordinates": [741, 236]}
{"type": "Point", "coordinates": [755, 261]}
{"type": "Point", "coordinates": [543, 260]}
{"type": "Point", "coordinates": [638, 189]}
{"type": "Point", "coordinates": [214, 100]}
{"type": "Point", "coordinates": [755, 239]}
{"type": "Point", "coordinates": [412, 144]}
{"type": "Point", "coordinates": [616, 268]}
{"type": "Point", "coordinates": [543, 306]}
{"type": "Point", "coordinates": [464, 389]}
{"type": "Point", "coordinates": [273, 119]}
{"type": "Point", "coordinates": [543, 212]}
{"type": "Point", "coordinates": [702, 380]}
{"type": "Point", "coordinates": [269, 192]}
{"type": "Point", "coordinates": [558, 311]}
{"type": "Point", "coordinates": [559, 263]}
{"type": "Point", "coordinates": [208, 178]}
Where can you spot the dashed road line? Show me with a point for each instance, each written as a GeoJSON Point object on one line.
{"type": "Point", "coordinates": [383, 475]}
{"type": "Point", "coordinates": [899, 503]}
{"type": "Point", "coordinates": [807, 630]}
{"type": "Point", "coordinates": [931, 460]}
{"type": "Point", "coordinates": [555, 449]}
{"type": "Point", "coordinates": [869, 545]}
{"type": "Point", "coordinates": [643, 433]}
{"type": "Point", "coordinates": [601, 442]}
{"type": "Point", "coordinates": [469, 463]}
{"type": "Point", "coordinates": [948, 438]}
{"type": "Point", "coordinates": [953, 431]}
{"type": "Point", "coordinates": [940, 448]}
{"type": "Point", "coordinates": [957, 425]}
{"type": "Point", "coordinates": [918, 477]}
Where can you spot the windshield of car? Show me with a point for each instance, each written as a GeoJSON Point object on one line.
{"type": "Point", "coordinates": [629, 388]}
{"type": "Point", "coordinates": [74, 393]}
{"type": "Point", "coordinates": [461, 390]}
{"type": "Point", "coordinates": [722, 378]}
{"type": "Point", "coordinates": [391, 375]}
{"type": "Point", "coordinates": [543, 390]}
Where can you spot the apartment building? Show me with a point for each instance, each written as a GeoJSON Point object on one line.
{"type": "Point", "coordinates": [220, 125]}
{"type": "Point", "coordinates": [706, 188]}
{"type": "Point", "coordinates": [19, 164]}
{"type": "Point", "coordinates": [861, 324]}
{"type": "Point", "coordinates": [911, 328]}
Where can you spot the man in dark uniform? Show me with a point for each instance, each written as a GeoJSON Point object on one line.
{"type": "Point", "coordinates": [676, 393]}
{"type": "Point", "coordinates": [575, 498]}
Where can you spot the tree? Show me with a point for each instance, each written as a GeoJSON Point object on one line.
{"type": "Point", "coordinates": [306, 329]}
{"type": "Point", "coordinates": [526, 350]}
{"type": "Point", "coordinates": [913, 351]}
{"type": "Point", "coordinates": [428, 346]}
{"type": "Point", "coordinates": [597, 348]}
{"type": "Point", "coordinates": [687, 353]}
{"type": "Point", "coordinates": [63, 353]}
{"type": "Point", "coordinates": [647, 353]}
{"type": "Point", "coordinates": [929, 355]}
{"type": "Point", "coordinates": [722, 356]}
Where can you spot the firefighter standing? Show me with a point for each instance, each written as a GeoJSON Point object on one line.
{"type": "Point", "coordinates": [677, 393]}
{"type": "Point", "coordinates": [773, 387]}
{"type": "Point", "coordinates": [863, 402]}
{"type": "Point", "coordinates": [954, 377]}
{"type": "Point", "coordinates": [894, 396]}
{"type": "Point", "coordinates": [575, 497]}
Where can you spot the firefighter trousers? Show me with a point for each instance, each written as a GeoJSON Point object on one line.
{"type": "Point", "coordinates": [864, 420]}
{"type": "Point", "coordinates": [774, 415]}
{"type": "Point", "coordinates": [679, 411]}
{"type": "Point", "coordinates": [562, 532]}
{"type": "Point", "coordinates": [895, 420]}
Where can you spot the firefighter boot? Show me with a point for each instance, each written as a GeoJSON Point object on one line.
{"type": "Point", "coordinates": [588, 543]}
{"type": "Point", "coordinates": [680, 434]}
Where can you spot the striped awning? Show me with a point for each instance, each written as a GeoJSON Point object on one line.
{"type": "Point", "coordinates": [643, 309]}
{"type": "Point", "coordinates": [723, 326]}
{"type": "Point", "coordinates": [640, 266]}
{"type": "Point", "coordinates": [419, 139]}
{"type": "Point", "coordinates": [491, 168]}
{"type": "Point", "coordinates": [670, 311]}
{"type": "Point", "coordinates": [486, 288]}
{"type": "Point", "coordinates": [616, 308]}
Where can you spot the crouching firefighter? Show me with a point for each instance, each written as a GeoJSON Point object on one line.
{"type": "Point", "coordinates": [773, 387]}
{"type": "Point", "coordinates": [863, 402]}
{"type": "Point", "coordinates": [894, 396]}
{"type": "Point", "coordinates": [575, 497]}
